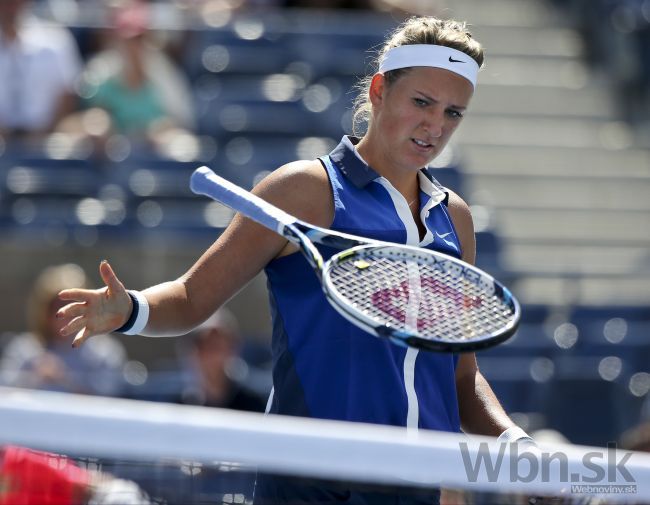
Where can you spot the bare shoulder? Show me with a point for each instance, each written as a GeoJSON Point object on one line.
{"type": "Point", "coordinates": [302, 189]}
{"type": "Point", "coordinates": [459, 210]}
{"type": "Point", "coordinates": [462, 219]}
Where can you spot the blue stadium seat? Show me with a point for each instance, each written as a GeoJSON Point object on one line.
{"type": "Point", "coordinates": [615, 329]}
{"type": "Point", "coordinates": [217, 118]}
{"type": "Point", "coordinates": [590, 411]}
{"type": "Point", "coordinates": [45, 196]}
{"type": "Point", "coordinates": [46, 176]}
{"type": "Point", "coordinates": [227, 88]}
{"type": "Point", "coordinates": [334, 55]}
{"type": "Point", "coordinates": [159, 202]}
{"type": "Point", "coordinates": [530, 340]}
{"type": "Point", "coordinates": [155, 178]}
{"type": "Point", "coordinates": [582, 314]}
{"type": "Point", "coordinates": [224, 51]}
{"type": "Point", "coordinates": [489, 253]}
{"type": "Point", "coordinates": [510, 378]}
{"type": "Point", "coordinates": [534, 313]}
{"type": "Point", "coordinates": [242, 158]}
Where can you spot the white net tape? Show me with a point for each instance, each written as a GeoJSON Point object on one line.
{"type": "Point", "coordinates": [144, 431]}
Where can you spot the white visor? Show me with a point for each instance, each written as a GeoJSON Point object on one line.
{"type": "Point", "coordinates": [429, 55]}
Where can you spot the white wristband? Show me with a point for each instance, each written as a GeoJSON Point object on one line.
{"type": "Point", "coordinates": [142, 315]}
{"type": "Point", "coordinates": [515, 434]}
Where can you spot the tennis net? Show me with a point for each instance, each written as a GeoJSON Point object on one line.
{"type": "Point", "coordinates": [190, 455]}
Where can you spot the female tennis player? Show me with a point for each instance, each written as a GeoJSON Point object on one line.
{"type": "Point", "coordinates": [373, 186]}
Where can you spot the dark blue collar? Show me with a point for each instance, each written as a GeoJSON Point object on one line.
{"type": "Point", "coordinates": [356, 170]}
{"type": "Point", "coordinates": [349, 163]}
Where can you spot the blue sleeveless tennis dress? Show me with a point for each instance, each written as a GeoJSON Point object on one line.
{"type": "Point", "coordinates": [325, 367]}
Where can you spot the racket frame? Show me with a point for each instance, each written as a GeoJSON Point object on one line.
{"type": "Point", "coordinates": [205, 182]}
{"type": "Point", "coordinates": [444, 262]}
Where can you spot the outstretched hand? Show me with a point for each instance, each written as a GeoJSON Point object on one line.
{"type": "Point", "coordinates": [95, 311]}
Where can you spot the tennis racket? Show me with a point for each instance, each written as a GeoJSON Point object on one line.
{"type": "Point", "coordinates": [412, 296]}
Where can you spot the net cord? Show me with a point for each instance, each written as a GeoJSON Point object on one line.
{"type": "Point", "coordinates": [147, 431]}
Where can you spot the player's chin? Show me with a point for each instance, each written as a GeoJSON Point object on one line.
{"type": "Point", "coordinates": [423, 157]}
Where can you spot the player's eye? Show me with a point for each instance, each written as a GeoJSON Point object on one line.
{"type": "Point", "coordinates": [420, 102]}
{"type": "Point", "coordinates": [456, 114]}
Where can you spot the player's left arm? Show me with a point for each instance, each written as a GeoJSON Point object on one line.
{"type": "Point", "coordinates": [480, 410]}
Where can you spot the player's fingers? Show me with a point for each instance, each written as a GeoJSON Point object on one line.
{"type": "Point", "coordinates": [73, 326]}
{"type": "Point", "coordinates": [72, 310]}
{"type": "Point", "coordinates": [77, 295]}
{"type": "Point", "coordinates": [81, 336]}
{"type": "Point", "coordinates": [109, 278]}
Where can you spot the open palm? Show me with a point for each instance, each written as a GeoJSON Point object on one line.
{"type": "Point", "coordinates": [95, 311]}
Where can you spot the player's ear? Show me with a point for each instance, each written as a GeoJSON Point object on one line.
{"type": "Point", "coordinates": [376, 91]}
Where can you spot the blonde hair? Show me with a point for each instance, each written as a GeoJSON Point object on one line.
{"type": "Point", "coordinates": [48, 284]}
{"type": "Point", "coordinates": [415, 30]}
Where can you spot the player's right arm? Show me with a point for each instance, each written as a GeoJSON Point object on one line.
{"type": "Point", "coordinates": [244, 248]}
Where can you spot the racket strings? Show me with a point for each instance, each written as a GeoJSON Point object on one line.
{"type": "Point", "coordinates": [419, 298]}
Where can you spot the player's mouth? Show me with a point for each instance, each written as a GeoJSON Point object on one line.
{"type": "Point", "coordinates": [421, 144]}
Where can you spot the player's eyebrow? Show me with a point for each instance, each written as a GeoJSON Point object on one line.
{"type": "Point", "coordinates": [431, 99]}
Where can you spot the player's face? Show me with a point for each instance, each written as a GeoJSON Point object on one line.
{"type": "Point", "coordinates": [416, 115]}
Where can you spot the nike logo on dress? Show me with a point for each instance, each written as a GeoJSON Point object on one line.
{"type": "Point", "coordinates": [444, 239]}
{"type": "Point", "coordinates": [455, 61]}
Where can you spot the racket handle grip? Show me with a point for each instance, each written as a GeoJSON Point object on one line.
{"type": "Point", "coordinates": [205, 182]}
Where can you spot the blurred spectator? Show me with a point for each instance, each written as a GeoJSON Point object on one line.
{"type": "Point", "coordinates": [636, 438]}
{"type": "Point", "coordinates": [42, 359]}
{"type": "Point", "coordinates": [39, 64]}
{"type": "Point", "coordinates": [138, 88]}
{"type": "Point", "coordinates": [215, 371]}
{"type": "Point", "coordinates": [30, 477]}
{"type": "Point", "coordinates": [631, 18]}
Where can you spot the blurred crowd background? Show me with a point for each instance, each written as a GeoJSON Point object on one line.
{"type": "Point", "coordinates": [106, 108]}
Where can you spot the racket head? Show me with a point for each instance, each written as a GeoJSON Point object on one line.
{"type": "Point", "coordinates": [420, 298]}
